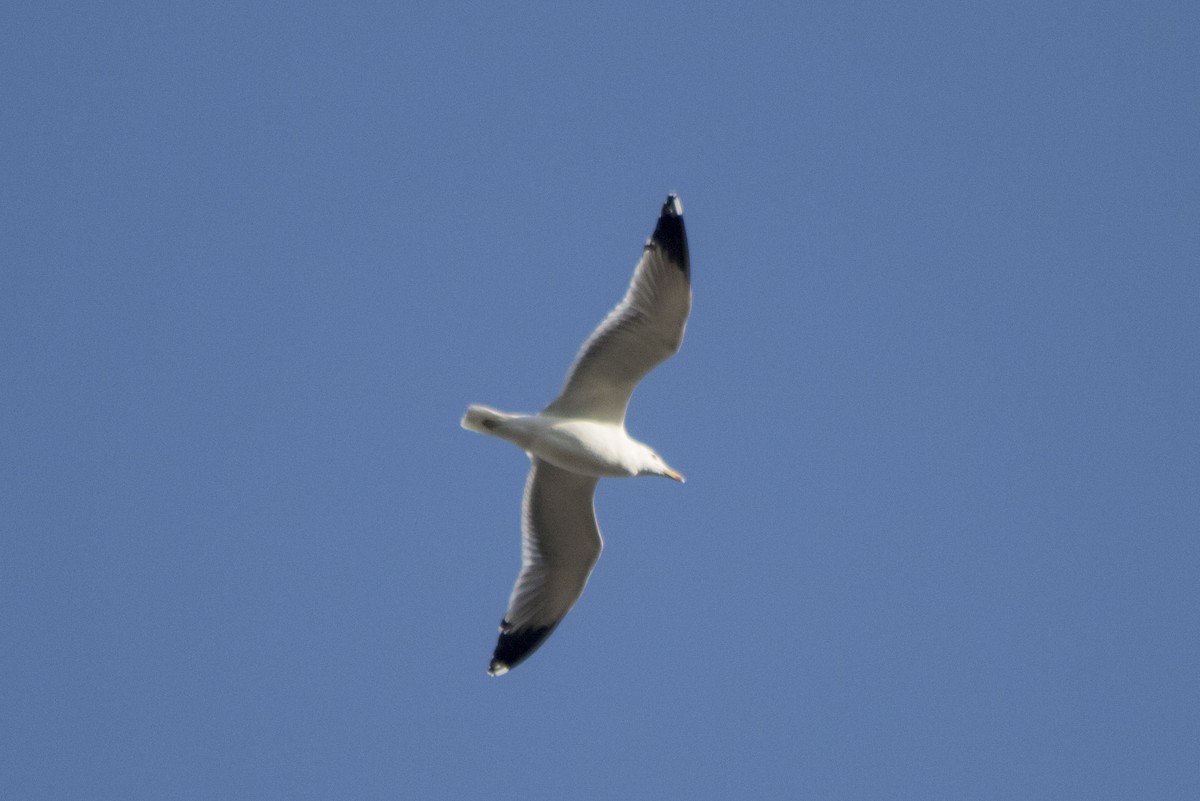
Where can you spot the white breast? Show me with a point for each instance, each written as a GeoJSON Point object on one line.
{"type": "Point", "coordinates": [583, 446]}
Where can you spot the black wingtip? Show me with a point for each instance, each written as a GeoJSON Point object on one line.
{"type": "Point", "coordinates": [514, 647]}
{"type": "Point", "coordinates": [673, 206]}
{"type": "Point", "coordinates": [670, 234]}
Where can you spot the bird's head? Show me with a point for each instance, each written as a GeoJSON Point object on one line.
{"type": "Point", "coordinates": [653, 465]}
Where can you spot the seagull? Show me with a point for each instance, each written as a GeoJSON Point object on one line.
{"type": "Point", "coordinates": [580, 438]}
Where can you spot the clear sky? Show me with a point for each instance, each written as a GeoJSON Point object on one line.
{"type": "Point", "coordinates": [938, 404]}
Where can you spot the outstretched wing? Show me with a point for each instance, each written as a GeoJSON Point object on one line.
{"type": "Point", "coordinates": [643, 330]}
{"type": "Point", "coordinates": [560, 543]}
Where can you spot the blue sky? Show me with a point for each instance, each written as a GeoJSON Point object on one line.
{"type": "Point", "coordinates": [937, 404]}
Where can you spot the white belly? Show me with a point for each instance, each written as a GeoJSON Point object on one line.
{"type": "Point", "coordinates": [582, 446]}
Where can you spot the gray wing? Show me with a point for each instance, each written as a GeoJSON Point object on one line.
{"type": "Point", "coordinates": [560, 543]}
{"type": "Point", "coordinates": [643, 330]}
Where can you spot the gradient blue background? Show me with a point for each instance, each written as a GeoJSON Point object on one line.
{"type": "Point", "coordinates": [937, 405]}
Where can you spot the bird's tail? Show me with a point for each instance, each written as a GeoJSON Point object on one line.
{"type": "Point", "coordinates": [483, 419]}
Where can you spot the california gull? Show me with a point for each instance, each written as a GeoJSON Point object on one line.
{"type": "Point", "coordinates": [580, 438]}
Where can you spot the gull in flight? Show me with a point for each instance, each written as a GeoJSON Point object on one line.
{"type": "Point", "coordinates": [580, 438]}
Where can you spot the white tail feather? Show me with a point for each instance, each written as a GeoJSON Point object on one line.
{"type": "Point", "coordinates": [483, 419]}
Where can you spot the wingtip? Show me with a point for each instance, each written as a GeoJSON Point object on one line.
{"type": "Point", "coordinates": [670, 234]}
{"type": "Point", "coordinates": [514, 647]}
